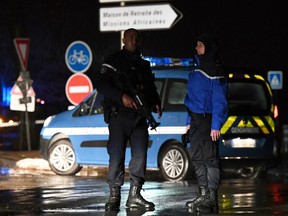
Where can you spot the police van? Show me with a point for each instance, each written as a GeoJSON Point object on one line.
{"type": "Point", "coordinates": [248, 145]}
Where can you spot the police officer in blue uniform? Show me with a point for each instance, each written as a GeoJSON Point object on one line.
{"type": "Point", "coordinates": [207, 106]}
{"type": "Point", "coordinates": [122, 75]}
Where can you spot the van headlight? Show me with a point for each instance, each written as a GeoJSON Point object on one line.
{"type": "Point", "coordinates": [48, 120]}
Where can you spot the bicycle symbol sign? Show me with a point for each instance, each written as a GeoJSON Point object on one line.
{"type": "Point", "coordinates": [78, 57]}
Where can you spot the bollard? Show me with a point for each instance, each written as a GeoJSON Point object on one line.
{"type": "Point", "coordinates": [285, 139]}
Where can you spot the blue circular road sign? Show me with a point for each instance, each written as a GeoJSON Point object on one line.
{"type": "Point", "coordinates": [78, 57]}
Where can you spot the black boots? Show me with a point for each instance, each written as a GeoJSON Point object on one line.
{"type": "Point", "coordinates": [196, 201]}
{"type": "Point", "coordinates": [210, 203]}
{"type": "Point", "coordinates": [113, 203]}
{"type": "Point", "coordinates": [206, 202]}
{"type": "Point", "coordinates": [135, 200]}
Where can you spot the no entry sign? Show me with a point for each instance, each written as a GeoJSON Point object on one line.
{"type": "Point", "coordinates": [78, 86]}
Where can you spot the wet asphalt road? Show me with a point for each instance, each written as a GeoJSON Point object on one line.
{"type": "Point", "coordinates": [56, 195]}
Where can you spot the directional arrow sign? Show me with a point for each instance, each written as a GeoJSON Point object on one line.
{"type": "Point", "coordinates": [160, 16]}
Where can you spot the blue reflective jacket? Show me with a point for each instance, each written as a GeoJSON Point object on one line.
{"type": "Point", "coordinates": [207, 94]}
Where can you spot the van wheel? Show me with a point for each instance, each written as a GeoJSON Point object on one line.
{"type": "Point", "coordinates": [251, 172]}
{"type": "Point", "coordinates": [174, 162]}
{"type": "Point", "coordinates": [62, 160]}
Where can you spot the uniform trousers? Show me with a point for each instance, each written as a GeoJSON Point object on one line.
{"type": "Point", "coordinates": [127, 132]}
{"type": "Point", "coordinates": [203, 151]}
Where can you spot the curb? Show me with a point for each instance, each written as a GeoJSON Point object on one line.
{"type": "Point", "coordinates": [31, 163]}
{"type": "Point", "coordinates": [280, 171]}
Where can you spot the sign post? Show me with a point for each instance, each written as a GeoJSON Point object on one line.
{"type": "Point", "coordinates": [24, 84]}
{"type": "Point", "coordinates": [23, 99]}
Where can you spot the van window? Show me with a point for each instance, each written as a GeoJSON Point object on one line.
{"type": "Point", "coordinates": [92, 106]}
{"type": "Point", "coordinates": [177, 93]}
{"type": "Point", "coordinates": [248, 98]}
{"type": "Point", "coordinates": [159, 85]}
{"type": "Point", "coordinates": [174, 92]}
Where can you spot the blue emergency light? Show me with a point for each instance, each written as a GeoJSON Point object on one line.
{"type": "Point", "coordinates": [167, 61]}
{"type": "Point", "coordinates": [5, 97]}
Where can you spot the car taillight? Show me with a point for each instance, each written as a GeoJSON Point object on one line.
{"type": "Point", "coordinates": [276, 111]}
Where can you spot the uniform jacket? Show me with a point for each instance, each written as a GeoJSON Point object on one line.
{"type": "Point", "coordinates": [125, 72]}
{"type": "Point", "coordinates": [207, 88]}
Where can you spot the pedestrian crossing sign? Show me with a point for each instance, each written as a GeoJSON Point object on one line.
{"type": "Point", "coordinates": [275, 79]}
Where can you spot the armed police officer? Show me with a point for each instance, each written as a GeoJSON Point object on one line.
{"type": "Point", "coordinates": [122, 76]}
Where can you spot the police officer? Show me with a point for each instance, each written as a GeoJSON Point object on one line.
{"type": "Point", "coordinates": [122, 75]}
{"type": "Point", "coordinates": [207, 105]}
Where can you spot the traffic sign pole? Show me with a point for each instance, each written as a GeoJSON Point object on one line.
{"type": "Point", "coordinates": [22, 48]}
{"type": "Point", "coordinates": [24, 86]}
{"type": "Point", "coordinates": [27, 85]}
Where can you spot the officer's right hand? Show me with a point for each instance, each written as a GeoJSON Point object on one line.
{"type": "Point", "coordinates": [128, 102]}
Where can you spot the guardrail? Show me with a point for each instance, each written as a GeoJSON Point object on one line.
{"type": "Point", "coordinates": [9, 124]}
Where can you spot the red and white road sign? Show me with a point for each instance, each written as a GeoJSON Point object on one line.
{"type": "Point", "coordinates": [17, 94]}
{"type": "Point", "coordinates": [17, 91]}
{"type": "Point", "coordinates": [22, 48]}
{"type": "Point", "coordinates": [78, 86]}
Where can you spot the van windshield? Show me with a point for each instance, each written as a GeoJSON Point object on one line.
{"type": "Point", "coordinates": [248, 98]}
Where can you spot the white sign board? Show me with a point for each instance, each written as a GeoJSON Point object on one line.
{"type": "Point", "coordinates": [16, 105]}
{"type": "Point", "coordinates": [113, 1]}
{"type": "Point", "coordinates": [16, 95]}
{"type": "Point", "coordinates": [160, 16]}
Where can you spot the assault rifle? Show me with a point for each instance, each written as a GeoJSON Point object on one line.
{"type": "Point", "coordinates": [151, 120]}
{"type": "Point", "coordinates": [139, 100]}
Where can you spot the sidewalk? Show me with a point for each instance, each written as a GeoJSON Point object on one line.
{"type": "Point", "coordinates": [20, 162]}
{"type": "Point", "coordinates": [31, 162]}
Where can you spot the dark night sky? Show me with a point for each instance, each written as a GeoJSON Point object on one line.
{"type": "Point", "coordinates": [250, 34]}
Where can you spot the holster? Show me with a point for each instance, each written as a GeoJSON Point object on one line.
{"type": "Point", "coordinates": [109, 110]}
{"type": "Point", "coordinates": [106, 115]}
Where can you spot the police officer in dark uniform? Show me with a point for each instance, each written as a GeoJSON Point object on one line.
{"type": "Point", "coordinates": [122, 75]}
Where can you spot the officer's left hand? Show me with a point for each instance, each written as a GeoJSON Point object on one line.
{"type": "Point", "coordinates": [158, 110]}
{"type": "Point", "coordinates": [215, 135]}
{"type": "Point", "coordinates": [129, 102]}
